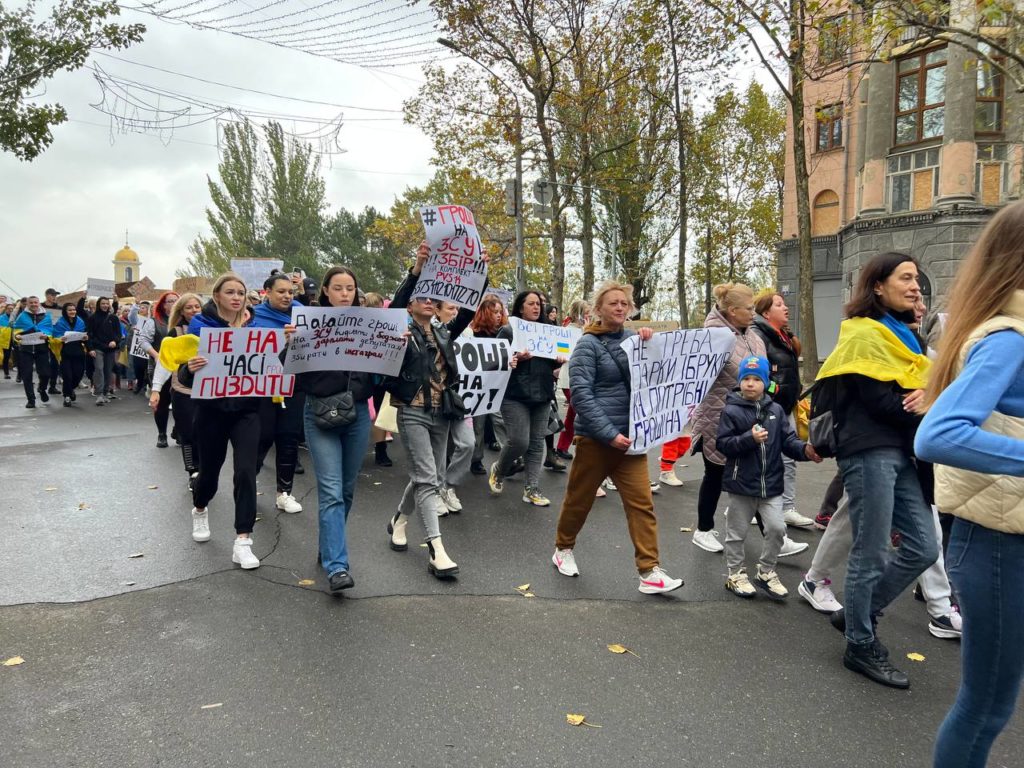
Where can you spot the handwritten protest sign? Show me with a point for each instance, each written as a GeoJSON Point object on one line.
{"type": "Point", "coordinates": [454, 272]}
{"type": "Point", "coordinates": [254, 272]}
{"type": "Point", "coordinates": [543, 340]}
{"type": "Point", "coordinates": [669, 376]}
{"type": "Point", "coordinates": [98, 288]}
{"type": "Point", "coordinates": [143, 326]}
{"type": "Point", "coordinates": [241, 362]}
{"type": "Point", "coordinates": [347, 339]}
{"type": "Point", "coordinates": [31, 338]}
{"type": "Point", "coordinates": [72, 336]}
{"type": "Point", "coordinates": [483, 373]}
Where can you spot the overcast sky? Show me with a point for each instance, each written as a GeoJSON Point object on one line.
{"type": "Point", "coordinates": [64, 215]}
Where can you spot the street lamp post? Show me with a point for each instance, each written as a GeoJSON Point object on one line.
{"type": "Point", "coordinates": [520, 240]}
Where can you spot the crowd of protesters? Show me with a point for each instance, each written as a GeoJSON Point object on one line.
{"type": "Point", "coordinates": [889, 516]}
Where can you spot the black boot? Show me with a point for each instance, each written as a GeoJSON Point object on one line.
{"type": "Point", "coordinates": [382, 458]}
{"type": "Point", "coordinates": [161, 440]}
{"type": "Point", "coordinates": [872, 661]}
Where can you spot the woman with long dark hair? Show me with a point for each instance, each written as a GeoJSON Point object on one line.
{"type": "Point", "coordinates": [234, 420]}
{"type": "Point", "coordinates": [974, 433]}
{"type": "Point", "coordinates": [526, 406]}
{"type": "Point", "coordinates": [876, 377]}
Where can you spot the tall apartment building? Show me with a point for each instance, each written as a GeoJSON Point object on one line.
{"type": "Point", "coordinates": [912, 154]}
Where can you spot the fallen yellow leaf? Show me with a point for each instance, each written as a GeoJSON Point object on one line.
{"type": "Point", "coordinates": [686, 530]}
{"type": "Point", "coordinates": [616, 648]}
{"type": "Point", "coordinates": [152, 487]}
{"type": "Point", "coordinates": [915, 657]}
{"type": "Point", "coordinates": [50, 488]}
{"type": "Point", "coordinates": [212, 706]}
{"type": "Point", "coordinates": [579, 720]}
{"type": "Point", "coordinates": [528, 594]}
{"type": "Point", "coordinates": [523, 587]}
{"type": "Point", "coordinates": [424, 546]}
{"type": "Point", "coordinates": [83, 505]}
{"type": "Point", "coordinates": [14, 661]}
{"type": "Point", "coordinates": [306, 582]}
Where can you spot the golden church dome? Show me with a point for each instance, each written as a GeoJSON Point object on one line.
{"type": "Point", "coordinates": [126, 254]}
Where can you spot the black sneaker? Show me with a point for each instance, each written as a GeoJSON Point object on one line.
{"type": "Point", "coordinates": [340, 580]}
{"type": "Point", "coordinates": [381, 458]}
{"type": "Point", "coordinates": [563, 455]}
{"type": "Point", "coordinates": [299, 469]}
{"type": "Point", "coordinates": [53, 391]}
{"type": "Point", "coordinates": [554, 464]}
{"type": "Point", "coordinates": [948, 627]}
{"type": "Point", "coordinates": [161, 441]}
{"type": "Point", "coordinates": [872, 661]}
{"type": "Point", "coordinates": [493, 446]}
{"type": "Point", "coordinates": [44, 396]}
{"type": "Point", "coordinates": [67, 402]}
{"type": "Point", "coordinates": [74, 397]}
{"type": "Point", "coordinates": [478, 468]}
{"type": "Point", "coordinates": [30, 404]}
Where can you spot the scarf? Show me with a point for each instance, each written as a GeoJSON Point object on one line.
{"type": "Point", "coordinates": [902, 331]}
{"type": "Point", "coordinates": [868, 348]}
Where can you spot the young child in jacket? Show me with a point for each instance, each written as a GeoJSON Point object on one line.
{"type": "Point", "coordinates": [753, 434]}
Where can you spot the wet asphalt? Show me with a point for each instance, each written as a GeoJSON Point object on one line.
{"type": "Point", "coordinates": [143, 648]}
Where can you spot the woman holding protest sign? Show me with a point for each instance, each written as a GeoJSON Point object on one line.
{"type": "Point", "coordinates": [600, 382]}
{"type": "Point", "coordinates": [72, 353]}
{"type": "Point", "coordinates": [185, 308]}
{"type": "Point", "coordinates": [526, 406]}
{"type": "Point", "coordinates": [234, 420]}
{"type": "Point", "coordinates": [424, 392]}
{"type": "Point", "coordinates": [337, 449]}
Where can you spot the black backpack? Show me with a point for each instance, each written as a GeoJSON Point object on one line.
{"type": "Point", "coordinates": [824, 417]}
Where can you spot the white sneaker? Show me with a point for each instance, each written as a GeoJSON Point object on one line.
{"type": "Point", "coordinates": [790, 547]}
{"type": "Point", "coordinates": [451, 500]}
{"type": "Point", "coordinates": [820, 595]}
{"type": "Point", "coordinates": [200, 525]}
{"type": "Point", "coordinates": [657, 582]}
{"type": "Point", "coordinates": [669, 478]}
{"type": "Point", "coordinates": [610, 485]}
{"type": "Point", "coordinates": [797, 520]}
{"type": "Point", "coordinates": [287, 503]}
{"type": "Point", "coordinates": [565, 562]}
{"type": "Point", "coordinates": [242, 554]}
{"type": "Point", "coordinates": [655, 487]}
{"type": "Point", "coordinates": [708, 541]}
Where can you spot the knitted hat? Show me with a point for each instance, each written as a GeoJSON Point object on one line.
{"type": "Point", "coordinates": [754, 366]}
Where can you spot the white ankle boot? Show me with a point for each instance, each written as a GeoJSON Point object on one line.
{"type": "Point", "coordinates": [242, 554]}
{"type": "Point", "coordinates": [440, 564]}
{"type": "Point", "coordinates": [396, 530]}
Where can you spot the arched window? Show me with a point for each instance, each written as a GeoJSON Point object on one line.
{"type": "Point", "coordinates": [926, 289]}
{"type": "Point", "coordinates": [825, 216]}
{"type": "Point", "coordinates": [128, 275]}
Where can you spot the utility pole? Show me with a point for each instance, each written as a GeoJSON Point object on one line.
{"type": "Point", "coordinates": [520, 239]}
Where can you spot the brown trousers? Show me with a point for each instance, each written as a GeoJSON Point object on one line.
{"type": "Point", "coordinates": [594, 461]}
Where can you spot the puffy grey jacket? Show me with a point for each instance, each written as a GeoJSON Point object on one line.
{"type": "Point", "coordinates": [707, 414]}
{"type": "Point", "coordinates": [600, 395]}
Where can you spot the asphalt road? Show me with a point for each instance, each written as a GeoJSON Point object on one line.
{"type": "Point", "coordinates": [177, 658]}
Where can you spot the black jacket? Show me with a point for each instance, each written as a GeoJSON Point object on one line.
{"type": "Point", "coordinates": [532, 381]}
{"type": "Point", "coordinates": [869, 414]}
{"type": "Point", "coordinates": [418, 363]}
{"type": "Point", "coordinates": [103, 328]}
{"type": "Point", "coordinates": [783, 363]}
{"type": "Point", "coordinates": [752, 468]}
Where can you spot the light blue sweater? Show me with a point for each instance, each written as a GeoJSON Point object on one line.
{"type": "Point", "coordinates": [992, 380]}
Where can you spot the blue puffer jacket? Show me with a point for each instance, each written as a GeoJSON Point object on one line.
{"type": "Point", "coordinates": [752, 468]}
{"type": "Point", "coordinates": [600, 395]}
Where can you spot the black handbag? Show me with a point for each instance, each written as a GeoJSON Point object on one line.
{"type": "Point", "coordinates": [333, 411]}
{"type": "Point", "coordinates": [453, 407]}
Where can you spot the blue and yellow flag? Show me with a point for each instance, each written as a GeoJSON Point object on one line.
{"type": "Point", "coordinates": [868, 348]}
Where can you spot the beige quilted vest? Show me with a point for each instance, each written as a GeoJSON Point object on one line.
{"type": "Point", "coordinates": [994, 501]}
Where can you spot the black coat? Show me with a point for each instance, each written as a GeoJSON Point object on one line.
{"type": "Point", "coordinates": [783, 363]}
{"type": "Point", "coordinates": [752, 468]}
{"type": "Point", "coordinates": [869, 414]}
{"type": "Point", "coordinates": [532, 381]}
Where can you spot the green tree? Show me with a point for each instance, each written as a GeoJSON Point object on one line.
{"type": "Point", "coordinates": [32, 51]}
{"type": "Point", "coordinates": [354, 239]}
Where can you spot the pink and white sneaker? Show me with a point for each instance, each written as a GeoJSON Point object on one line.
{"type": "Point", "coordinates": [565, 562]}
{"type": "Point", "coordinates": [657, 582]}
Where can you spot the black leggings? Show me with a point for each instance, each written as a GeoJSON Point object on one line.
{"type": "Point", "coordinates": [184, 422]}
{"type": "Point", "coordinates": [710, 493]}
{"type": "Point", "coordinates": [163, 409]}
{"type": "Point", "coordinates": [281, 426]}
{"type": "Point", "coordinates": [140, 367]}
{"type": "Point", "coordinates": [38, 356]}
{"type": "Point", "coordinates": [214, 429]}
{"type": "Point", "coordinates": [7, 362]}
{"type": "Point", "coordinates": [72, 368]}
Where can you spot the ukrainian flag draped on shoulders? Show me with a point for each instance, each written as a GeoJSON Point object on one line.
{"type": "Point", "coordinates": [867, 347]}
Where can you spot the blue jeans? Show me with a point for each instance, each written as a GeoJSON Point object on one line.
{"type": "Point", "coordinates": [987, 569]}
{"type": "Point", "coordinates": [884, 493]}
{"type": "Point", "coordinates": [337, 458]}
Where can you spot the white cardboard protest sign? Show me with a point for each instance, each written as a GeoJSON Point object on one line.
{"type": "Point", "coordinates": [454, 272]}
{"type": "Point", "coordinates": [32, 338]}
{"type": "Point", "coordinates": [347, 339]}
{"type": "Point", "coordinates": [241, 362]}
{"type": "Point", "coordinates": [98, 288]}
{"type": "Point", "coordinates": [142, 326]}
{"type": "Point", "coordinates": [72, 336]}
{"type": "Point", "coordinates": [670, 375]}
{"type": "Point", "coordinates": [483, 373]}
{"type": "Point", "coordinates": [543, 340]}
{"type": "Point", "coordinates": [255, 271]}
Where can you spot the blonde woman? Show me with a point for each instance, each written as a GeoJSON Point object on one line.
{"type": "Point", "coordinates": [974, 433]}
{"type": "Point", "coordinates": [234, 420]}
{"type": "Point", "coordinates": [600, 384]}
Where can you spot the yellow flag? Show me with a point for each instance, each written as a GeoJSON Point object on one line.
{"type": "Point", "coordinates": [56, 345]}
{"type": "Point", "coordinates": [178, 350]}
{"type": "Point", "coordinates": [867, 347]}
{"type": "Point", "coordinates": [5, 337]}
